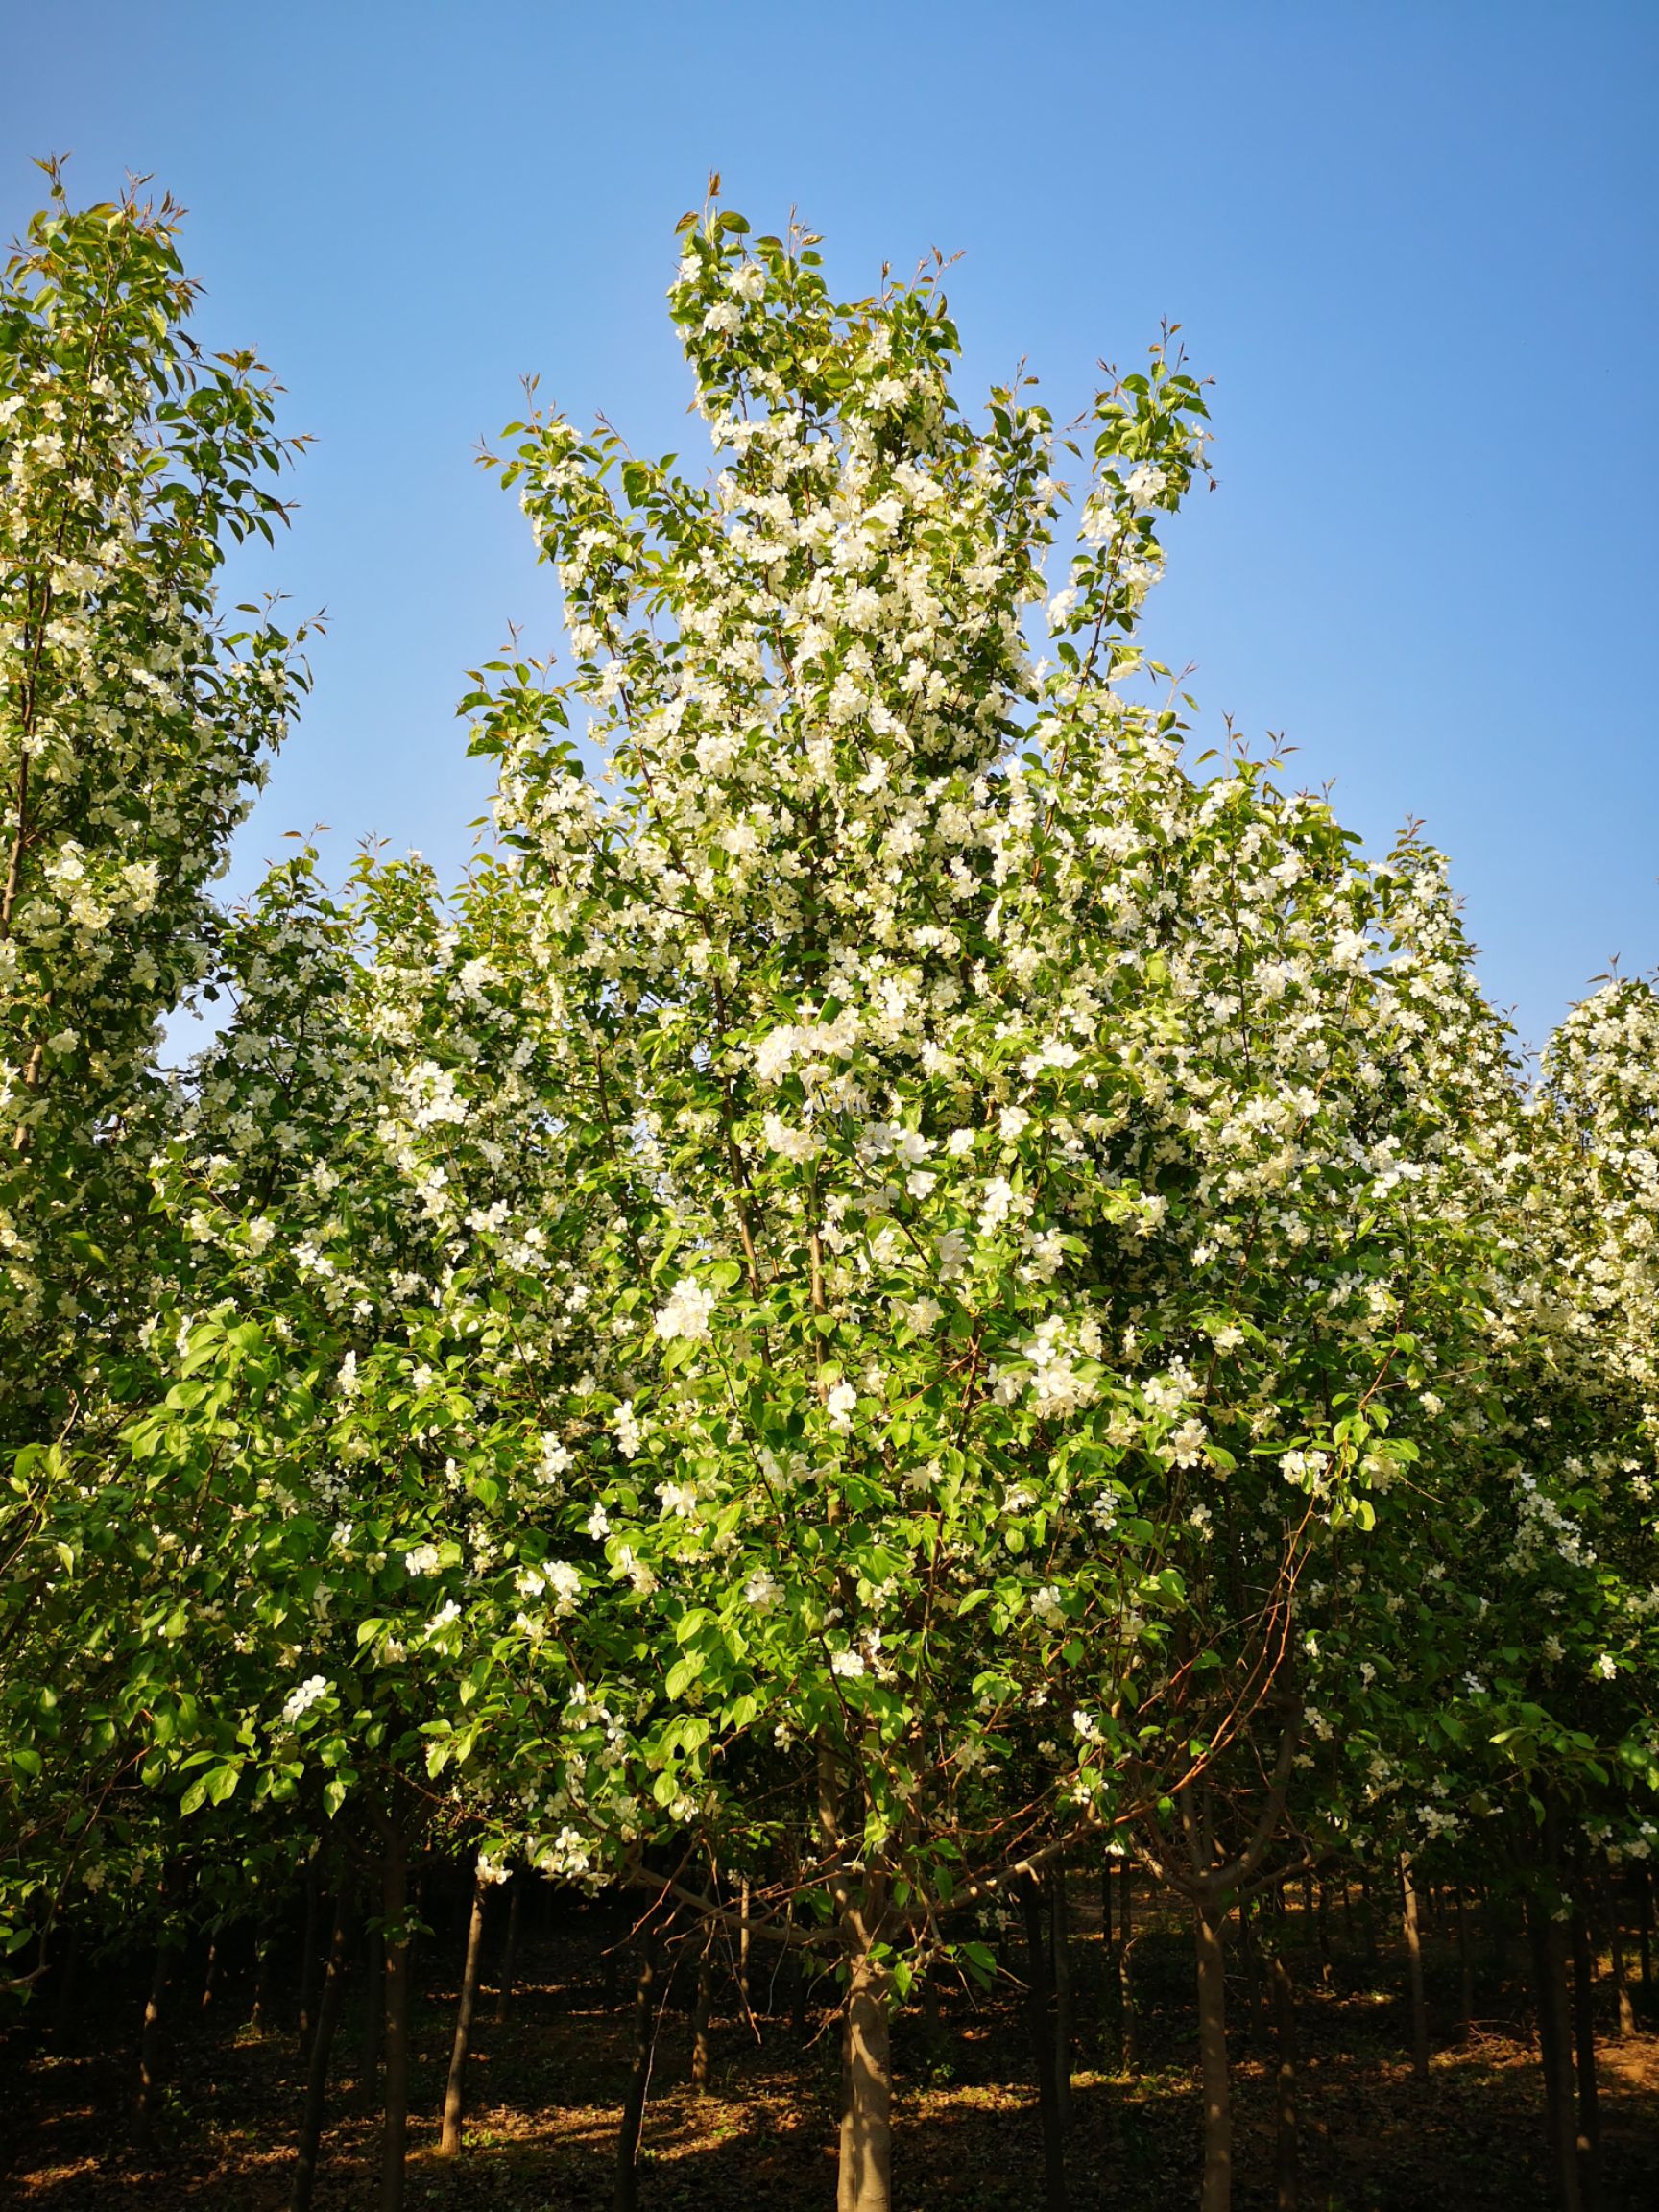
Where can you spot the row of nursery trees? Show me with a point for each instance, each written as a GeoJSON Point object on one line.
{"type": "Point", "coordinates": [906, 1280]}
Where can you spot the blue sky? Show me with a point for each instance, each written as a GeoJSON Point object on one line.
{"type": "Point", "coordinates": [1413, 243]}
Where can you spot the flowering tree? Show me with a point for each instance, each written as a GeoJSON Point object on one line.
{"type": "Point", "coordinates": [132, 734]}
{"type": "Point", "coordinates": [1013, 1151]}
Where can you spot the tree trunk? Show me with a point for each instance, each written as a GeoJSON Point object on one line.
{"type": "Point", "coordinates": [1129, 2016]}
{"type": "Point", "coordinates": [1216, 2194]}
{"type": "Point", "coordinates": [257, 2018]}
{"type": "Point", "coordinates": [1555, 2050]}
{"type": "Point", "coordinates": [743, 1945]}
{"type": "Point", "coordinates": [208, 1971]}
{"type": "Point", "coordinates": [322, 2047]}
{"type": "Point", "coordinates": [1040, 2023]}
{"type": "Point", "coordinates": [1322, 1929]}
{"type": "Point", "coordinates": [1589, 2133]}
{"type": "Point", "coordinates": [1125, 1891]}
{"type": "Point", "coordinates": [455, 2088]}
{"type": "Point", "coordinates": [1616, 1947]}
{"type": "Point", "coordinates": [1285, 2146]}
{"type": "Point", "coordinates": [1465, 1972]}
{"type": "Point", "coordinates": [150, 2046]}
{"type": "Point", "coordinates": [638, 2080]}
{"type": "Point", "coordinates": [1414, 1965]}
{"type": "Point", "coordinates": [396, 1937]}
{"type": "Point", "coordinates": [374, 2015]}
{"type": "Point", "coordinates": [310, 1956]}
{"type": "Point", "coordinates": [864, 2182]}
{"type": "Point", "coordinates": [702, 2011]}
{"type": "Point", "coordinates": [1646, 1936]}
{"type": "Point", "coordinates": [510, 1950]}
{"type": "Point", "coordinates": [64, 1997]}
{"type": "Point", "coordinates": [1060, 1936]}
{"type": "Point", "coordinates": [1252, 1972]}
{"type": "Point", "coordinates": [1368, 1921]}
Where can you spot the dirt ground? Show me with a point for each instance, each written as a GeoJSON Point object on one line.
{"type": "Point", "coordinates": [546, 2088]}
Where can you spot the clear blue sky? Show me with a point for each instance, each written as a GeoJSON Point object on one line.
{"type": "Point", "coordinates": [1414, 244]}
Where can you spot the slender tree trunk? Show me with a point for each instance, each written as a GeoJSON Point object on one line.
{"type": "Point", "coordinates": [1589, 2133]}
{"type": "Point", "coordinates": [455, 2088]}
{"type": "Point", "coordinates": [374, 2015]}
{"type": "Point", "coordinates": [310, 1954]}
{"type": "Point", "coordinates": [1414, 1965]}
{"type": "Point", "coordinates": [1644, 1935]}
{"type": "Point", "coordinates": [208, 1971]}
{"type": "Point", "coordinates": [1060, 1932]}
{"type": "Point", "coordinates": [1251, 1971]}
{"type": "Point", "coordinates": [1616, 1947]}
{"type": "Point", "coordinates": [64, 1997]}
{"type": "Point", "coordinates": [702, 2012]}
{"type": "Point", "coordinates": [864, 2182]}
{"type": "Point", "coordinates": [1347, 1910]}
{"type": "Point", "coordinates": [510, 1950]}
{"type": "Point", "coordinates": [396, 1937]}
{"type": "Point", "coordinates": [743, 1944]}
{"type": "Point", "coordinates": [1216, 2194]}
{"type": "Point", "coordinates": [1125, 1898]}
{"type": "Point", "coordinates": [1322, 1929]}
{"type": "Point", "coordinates": [1286, 2146]}
{"type": "Point", "coordinates": [1129, 2015]}
{"type": "Point", "coordinates": [322, 2048]}
{"type": "Point", "coordinates": [263, 1943]}
{"type": "Point", "coordinates": [1040, 2023]}
{"type": "Point", "coordinates": [149, 2044]}
{"type": "Point", "coordinates": [627, 2196]}
{"type": "Point", "coordinates": [1465, 1971]}
{"type": "Point", "coordinates": [1555, 2050]}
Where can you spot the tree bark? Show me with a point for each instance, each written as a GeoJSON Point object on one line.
{"type": "Point", "coordinates": [455, 2088]}
{"type": "Point", "coordinates": [261, 1980]}
{"type": "Point", "coordinates": [310, 1954]}
{"type": "Point", "coordinates": [1060, 1935]}
{"type": "Point", "coordinates": [743, 1945]}
{"type": "Point", "coordinates": [1621, 1976]}
{"type": "Point", "coordinates": [510, 1949]}
{"type": "Point", "coordinates": [1128, 2015]}
{"type": "Point", "coordinates": [865, 2180]}
{"type": "Point", "coordinates": [1040, 2023]}
{"type": "Point", "coordinates": [1217, 2194]}
{"type": "Point", "coordinates": [633, 2125]}
{"type": "Point", "coordinates": [1646, 1936]}
{"type": "Point", "coordinates": [396, 1939]}
{"type": "Point", "coordinates": [1285, 2145]}
{"type": "Point", "coordinates": [1555, 2050]}
{"type": "Point", "coordinates": [1589, 2133]}
{"type": "Point", "coordinates": [702, 2012]}
{"type": "Point", "coordinates": [64, 1997]}
{"type": "Point", "coordinates": [1252, 1972]}
{"type": "Point", "coordinates": [322, 2048]}
{"type": "Point", "coordinates": [149, 2044]}
{"type": "Point", "coordinates": [374, 2014]}
{"type": "Point", "coordinates": [1414, 1965]}
{"type": "Point", "coordinates": [1465, 1971]}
